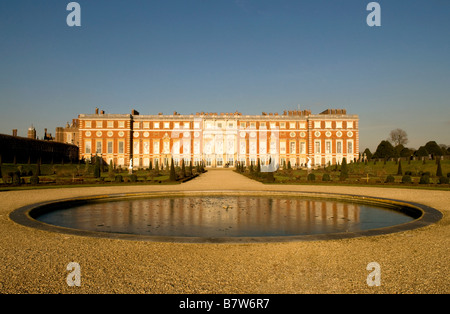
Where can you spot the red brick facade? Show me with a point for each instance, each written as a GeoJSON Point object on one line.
{"type": "Point", "coordinates": [220, 139]}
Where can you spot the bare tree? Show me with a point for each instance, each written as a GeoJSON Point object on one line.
{"type": "Point", "coordinates": [398, 137]}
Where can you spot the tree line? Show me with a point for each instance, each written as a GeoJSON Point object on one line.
{"type": "Point", "coordinates": [394, 147]}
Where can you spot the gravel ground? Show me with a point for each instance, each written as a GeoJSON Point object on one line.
{"type": "Point", "coordinates": [35, 261]}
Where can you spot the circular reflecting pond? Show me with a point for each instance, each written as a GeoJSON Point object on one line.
{"type": "Point", "coordinates": [225, 216]}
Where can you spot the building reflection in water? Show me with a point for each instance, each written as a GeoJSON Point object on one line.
{"type": "Point", "coordinates": [216, 216]}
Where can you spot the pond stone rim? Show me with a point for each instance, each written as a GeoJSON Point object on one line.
{"type": "Point", "coordinates": [423, 216]}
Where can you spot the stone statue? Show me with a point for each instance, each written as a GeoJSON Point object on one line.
{"type": "Point", "coordinates": [308, 165]}
{"type": "Point", "coordinates": [130, 168]}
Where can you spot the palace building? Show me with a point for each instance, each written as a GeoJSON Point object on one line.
{"type": "Point", "coordinates": [298, 137]}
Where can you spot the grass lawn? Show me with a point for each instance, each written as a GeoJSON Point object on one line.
{"type": "Point", "coordinates": [370, 173]}
{"type": "Point", "coordinates": [66, 175]}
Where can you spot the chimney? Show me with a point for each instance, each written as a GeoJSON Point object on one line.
{"type": "Point", "coordinates": [102, 112]}
{"type": "Point", "coordinates": [14, 132]}
{"type": "Point", "coordinates": [96, 110]}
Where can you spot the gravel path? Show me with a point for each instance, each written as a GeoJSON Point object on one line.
{"type": "Point", "coordinates": [35, 261]}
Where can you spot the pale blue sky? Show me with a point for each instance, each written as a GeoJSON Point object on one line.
{"type": "Point", "coordinates": [227, 55]}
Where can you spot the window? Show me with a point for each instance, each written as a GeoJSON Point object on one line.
{"type": "Point", "coordinates": [327, 147]}
{"type": "Point", "coordinates": [339, 147]}
{"type": "Point", "coordinates": [273, 146]}
{"type": "Point", "coordinates": [135, 125]}
{"type": "Point", "coordinates": [302, 125]}
{"type": "Point", "coordinates": [110, 124]}
{"type": "Point", "coordinates": [262, 147]}
{"type": "Point", "coordinates": [230, 125]}
{"type": "Point", "coordinates": [121, 124]}
{"type": "Point", "coordinates": [219, 125]}
{"type": "Point", "coordinates": [99, 147]}
{"type": "Point", "coordinates": [176, 125]}
{"type": "Point", "coordinates": [196, 125]}
{"type": "Point", "coordinates": [317, 147]}
{"type": "Point", "coordinates": [136, 148]}
{"type": "Point", "coordinates": [338, 124]}
{"type": "Point", "coordinates": [156, 125]}
{"type": "Point", "coordinates": [196, 147]}
{"type": "Point", "coordinates": [283, 147]}
{"type": "Point", "coordinates": [87, 124]}
{"type": "Point", "coordinates": [166, 125]}
{"type": "Point", "coordinates": [302, 148]}
{"type": "Point", "coordinates": [110, 147]}
{"type": "Point", "coordinates": [273, 125]}
{"type": "Point", "coordinates": [99, 124]}
{"type": "Point", "coordinates": [253, 147]}
{"type": "Point", "coordinates": [282, 125]}
{"type": "Point", "coordinates": [230, 146]}
{"type": "Point", "coordinates": [317, 124]}
{"type": "Point", "coordinates": [176, 147]}
{"type": "Point", "coordinates": [146, 147]}
{"type": "Point", "coordinates": [146, 125]}
{"type": "Point", "coordinates": [253, 124]}
{"type": "Point", "coordinates": [166, 147]}
{"type": "Point", "coordinates": [186, 125]}
{"type": "Point", "coordinates": [87, 147]}
{"type": "Point", "coordinates": [262, 125]}
{"type": "Point", "coordinates": [349, 124]}
{"type": "Point", "coordinates": [219, 146]}
{"type": "Point", "coordinates": [121, 147]}
{"type": "Point", "coordinates": [156, 147]}
{"type": "Point", "coordinates": [186, 147]}
{"type": "Point", "coordinates": [292, 125]}
{"type": "Point", "coordinates": [243, 125]}
{"type": "Point", "coordinates": [350, 147]}
{"type": "Point", "coordinates": [328, 124]}
{"type": "Point", "coordinates": [242, 148]}
{"type": "Point", "coordinates": [292, 147]}
{"type": "Point", "coordinates": [208, 146]}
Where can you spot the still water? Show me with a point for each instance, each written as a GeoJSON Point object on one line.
{"type": "Point", "coordinates": [225, 216]}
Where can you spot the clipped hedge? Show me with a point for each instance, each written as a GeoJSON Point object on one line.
{"type": "Point", "coordinates": [390, 179]}
{"type": "Point", "coordinates": [326, 177]}
{"type": "Point", "coordinates": [406, 179]}
{"type": "Point", "coordinates": [133, 178]}
{"type": "Point", "coordinates": [424, 179]}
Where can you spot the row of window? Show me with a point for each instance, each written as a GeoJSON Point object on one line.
{"type": "Point", "coordinates": [99, 147]}
{"type": "Point", "coordinates": [211, 125]}
{"type": "Point", "coordinates": [217, 147]}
